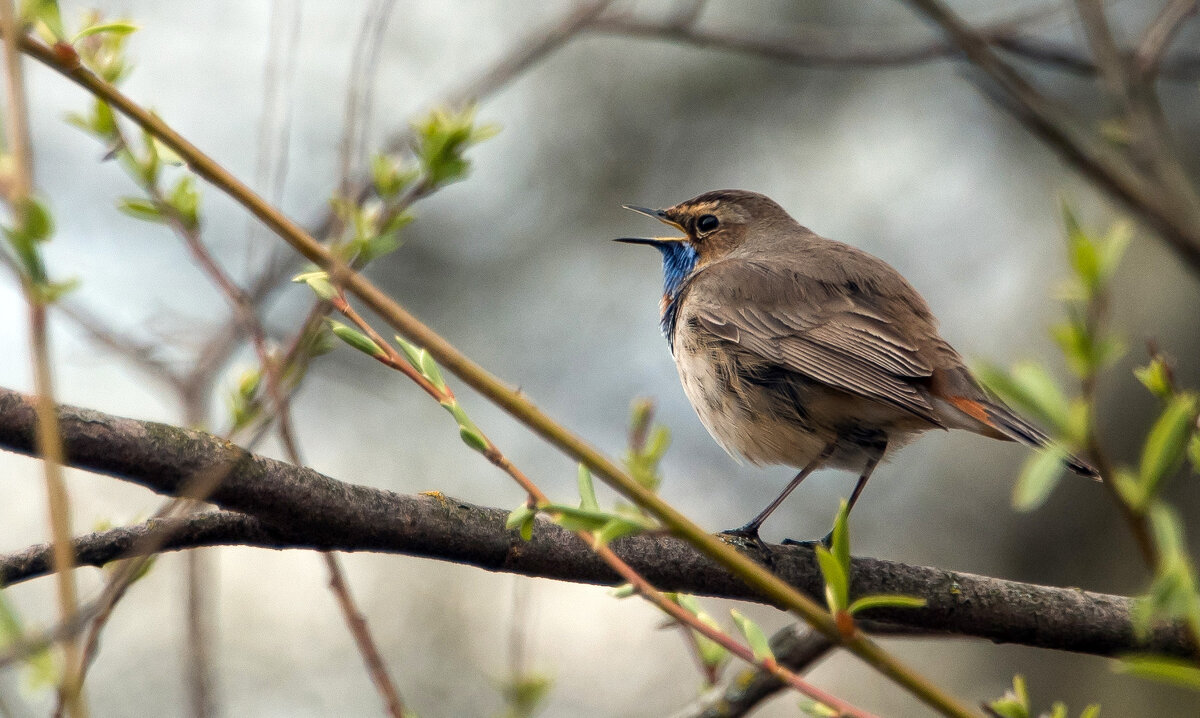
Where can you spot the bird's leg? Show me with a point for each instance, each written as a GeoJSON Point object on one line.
{"type": "Point", "coordinates": [750, 530]}
{"type": "Point", "coordinates": [872, 461]}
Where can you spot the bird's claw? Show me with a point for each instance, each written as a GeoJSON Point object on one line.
{"type": "Point", "coordinates": [826, 541]}
{"type": "Point", "coordinates": [748, 536]}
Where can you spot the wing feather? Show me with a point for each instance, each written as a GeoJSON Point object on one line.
{"type": "Point", "coordinates": [851, 340]}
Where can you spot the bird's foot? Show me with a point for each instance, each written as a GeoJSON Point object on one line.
{"type": "Point", "coordinates": [826, 541]}
{"type": "Point", "coordinates": [746, 537]}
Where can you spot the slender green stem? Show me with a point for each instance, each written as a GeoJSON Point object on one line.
{"type": "Point", "coordinates": [512, 401]}
{"type": "Point", "coordinates": [48, 435]}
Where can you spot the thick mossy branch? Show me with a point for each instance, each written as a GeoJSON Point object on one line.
{"type": "Point", "coordinates": [281, 506]}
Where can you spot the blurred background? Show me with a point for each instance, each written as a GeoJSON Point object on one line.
{"type": "Point", "coordinates": [514, 266]}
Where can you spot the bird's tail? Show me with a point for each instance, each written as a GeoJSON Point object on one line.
{"type": "Point", "coordinates": [1004, 420]}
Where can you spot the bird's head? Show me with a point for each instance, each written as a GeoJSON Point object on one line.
{"type": "Point", "coordinates": [714, 224]}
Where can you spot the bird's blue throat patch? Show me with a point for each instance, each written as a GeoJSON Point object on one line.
{"type": "Point", "coordinates": [679, 259]}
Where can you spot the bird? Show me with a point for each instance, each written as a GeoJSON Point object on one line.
{"type": "Point", "coordinates": [799, 350]}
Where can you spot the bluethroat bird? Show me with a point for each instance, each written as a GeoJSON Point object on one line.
{"type": "Point", "coordinates": [799, 350]}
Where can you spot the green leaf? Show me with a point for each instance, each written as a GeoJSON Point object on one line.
{"type": "Point", "coordinates": [525, 693]}
{"type": "Point", "coordinates": [1174, 671]}
{"type": "Point", "coordinates": [625, 590]}
{"type": "Point", "coordinates": [885, 601]}
{"type": "Point", "coordinates": [574, 519]}
{"type": "Point", "coordinates": [1112, 249]}
{"type": "Point", "coordinates": [587, 491]}
{"type": "Point", "coordinates": [429, 369]}
{"type": "Point", "coordinates": [142, 209]}
{"type": "Point", "coordinates": [411, 351]}
{"type": "Point", "coordinates": [390, 176]}
{"type": "Point", "coordinates": [840, 544]}
{"type": "Point", "coordinates": [51, 292]}
{"type": "Point", "coordinates": [1167, 442]}
{"type": "Point", "coordinates": [1014, 703]}
{"type": "Point", "coordinates": [117, 27]}
{"type": "Point", "coordinates": [43, 670]}
{"type": "Point", "coordinates": [318, 281]}
{"type": "Point", "coordinates": [1029, 387]}
{"type": "Point", "coordinates": [1194, 453]}
{"type": "Point", "coordinates": [472, 438]}
{"type": "Point", "coordinates": [1130, 489]}
{"type": "Point", "coordinates": [1038, 478]}
{"type": "Point", "coordinates": [1083, 253]}
{"type": "Point", "coordinates": [712, 654]}
{"type": "Point", "coordinates": [45, 15]}
{"type": "Point", "coordinates": [617, 527]}
{"type": "Point", "coordinates": [837, 583]}
{"type": "Point", "coordinates": [755, 637]}
{"type": "Point", "coordinates": [355, 339]}
{"type": "Point", "coordinates": [37, 224]}
{"type": "Point", "coordinates": [1042, 393]}
{"type": "Point", "coordinates": [1092, 711]}
{"type": "Point", "coordinates": [1156, 376]}
{"type": "Point", "coordinates": [185, 198]}
{"type": "Point", "coordinates": [818, 710]}
{"type": "Point", "coordinates": [1173, 594]}
{"type": "Point", "coordinates": [442, 137]}
{"type": "Point", "coordinates": [521, 518]}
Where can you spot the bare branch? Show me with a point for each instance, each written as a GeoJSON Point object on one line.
{"type": "Point", "coordinates": [1109, 171]}
{"type": "Point", "coordinates": [283, 262]}
{"type": "Point", "coordinates": [812, 47]}
{"type": "Point", "coordinates": [299, 508]}
{"type": "Point", "coordinates": [1159, 35]}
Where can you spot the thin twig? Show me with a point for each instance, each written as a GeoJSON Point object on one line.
{"type": "Point", "coordinates": [1159, 34]}
{"type": "Point", "coordinates": [20, 191]}
{"type": "Point", "coordinates": [362, 637]}
{"type": "Point", "coordinates": [813, 47]}
{"type": "Point", "coordinates": [275, 125]}
{"type": "Point", "coordinates": [1048, 122]}
{"type": "Point", "coordinates": [363, 68]}
{"type": "Point", "coordinates": [522, 55]}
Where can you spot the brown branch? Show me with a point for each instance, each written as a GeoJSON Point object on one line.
{"type": "Point", "coordinates": [810, 47]}
{"type": "Point", "coordinates": [282, 263]}
{"type": "Point", "coordinates": [1159, 34]}
{"type": "Point", "coordinates": [1111, 172]}
{"type": "Point", "coordinates": [300, 508]}
{"type": "Point", "coordinates": [796, 647]}
{"type": "Point", "coordinates": [357, 624]}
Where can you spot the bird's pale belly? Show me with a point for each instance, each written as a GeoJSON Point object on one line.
{"type": "Point", "coordinates": [766, 425]}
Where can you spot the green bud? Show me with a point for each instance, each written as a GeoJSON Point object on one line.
{"type": "Point", "coordinates": [754, 635]}
{"type": "Point", "coordinates": [1156, 376]}
{"type": "Point", "coordinates": [1168, 441]}
{"type": "Point", "coordinates": [142, 209]}
{"type": "Point", "coordinates": [472, 438]}
{"type": "Point", "coordinates": [430, 370]}
{"type": "Point", "coordinates": [356, 339]}
{"type": "Point", "coordinates": [318, 281]}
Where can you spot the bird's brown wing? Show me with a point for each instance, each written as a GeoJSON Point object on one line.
{"type": "Point", "coordinates": [849, 335]}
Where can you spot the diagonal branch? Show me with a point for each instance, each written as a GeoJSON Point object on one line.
{"type": "Point", "coordinates": [811, 47]}
{"type": "Point", "coordinates": [282, 506]}
{"type": "Point", "coordinates": [1176, 224]}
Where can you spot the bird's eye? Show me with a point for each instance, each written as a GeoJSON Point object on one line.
{"type": "Point", "coordinates": [707, 223]}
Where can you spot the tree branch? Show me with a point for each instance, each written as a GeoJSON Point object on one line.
{"type": "Point", "coordinates": [810, 47]}
{"type": "Point", "coordinates": [290, 507]}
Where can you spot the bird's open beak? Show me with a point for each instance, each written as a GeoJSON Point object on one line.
{"type": "Point", "coordinates": [661, 216]}
{"type": "Point", "coordinates": [652, 241]}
